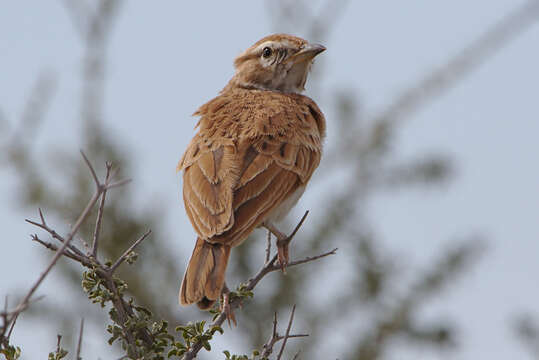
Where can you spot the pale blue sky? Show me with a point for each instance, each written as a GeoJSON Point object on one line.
{"type": "Point", "coordinates": [168, 58]}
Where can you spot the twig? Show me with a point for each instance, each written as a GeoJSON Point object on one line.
{"type": "Point", "coordinates": [4, 316]}
{"type": "Point", "coordinates": [269, 267]}
{"type": "Point", "coordinates": [268, 347]}
{"type": "Point", "coordinates": [42, 217]}
{"type": "Point", "coordinates": [287, 334]}
{"type": "Point", "coordinates": [274, 332]}
{"type": "Point", "coordinates": [79, 344]}
{"type": "Point", "coordinates": [11, 327]}
{"type": "Point", "coordinates": [60, 252]}
{"type": "Point", "coordinates": [92, 171]}
{"type": "Point", "coordinates": [53, 247]}
{"type": "Point", "coordinates": [275, 337]}
{"type": "Point", "coordinates": [305, 259]}
{"type": "Point", "coordinates": [100, 214]}
{"type": "Point", "coordinates": [76, 256]}
{"type": "Point", "coordinates": [114, 172]}
{"type": "Point", "coordinates": [291, 236]}
{"type": "Point", "coordinates": [53, 234]}
{"type": "Point", "coordinates": [118, 183]}
{"type": "Point", "coordinates": [48, 245]}
{"type": "Point", "coordinates": [58, 343]}
{"type": "Point", "coordinates": [268, 247]}
{"type": "Point", "coordinates": [126, 253]}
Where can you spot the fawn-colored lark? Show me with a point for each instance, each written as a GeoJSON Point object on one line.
{"type": "Point", "coordinates": [257, 146]}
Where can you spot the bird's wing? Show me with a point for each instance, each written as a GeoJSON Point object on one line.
{"type": "Point", "coordinates": [233, 183]}
{"type": "Point", "coordinates": [210, 174]}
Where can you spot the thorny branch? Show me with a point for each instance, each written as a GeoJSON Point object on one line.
{"type": "Point", "coordinates": [65, 244]}
{"type": "Point", "coordinates": [275, 337]}
{"type": "Point", "coordinates": [268, 267]}
{"type": "Point", "coordinates": [287, 334]}
{"type": "Point", "coordinates": [126, 253]}
{"type": "Point", "coordinates": [66, 249]}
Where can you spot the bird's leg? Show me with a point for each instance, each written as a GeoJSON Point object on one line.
{"type": "Point", "coordinates": [282, 245]}
{"type": "Point", "coordinates": [283, 240]}
{"type": "Point", "coordinates": [225, 306]}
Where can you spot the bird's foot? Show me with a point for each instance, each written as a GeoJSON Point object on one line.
{"type": "Point", "coordinates": [282, 253]}
{"type": "Point", "coordinates": [283, 241]}
{"type": "Point", "coordinates": [282, 245]}
{"type": "Point", "coordinates": [225, 307]}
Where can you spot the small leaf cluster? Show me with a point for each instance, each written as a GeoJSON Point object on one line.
{"type": "Point", "coordinates": [163, 339]}
{"type": "Point", "coordinates": [94, 285]}
{"type": "Point", "coordinates": [59, 354]}
{"type": "Point", "coordinates": [11, 352]}
{"type": "Point", "coordinates": [242, 292]}
{"type": "Point", "coordinates": [255, 354]}
{"type": "Point", "coordinates": [140, 320]}
{"type": "Point", "coordinates": [131, 258]}
{"type": "Point", "coordinates": [193, 333]}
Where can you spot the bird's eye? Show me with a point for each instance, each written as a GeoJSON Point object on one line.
{"type": "Point", "coordinates": [267, 52]}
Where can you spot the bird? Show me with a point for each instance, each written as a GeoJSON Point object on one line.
{"type": "Point", "coordinates": [258, 143]}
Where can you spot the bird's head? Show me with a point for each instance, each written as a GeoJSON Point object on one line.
{"type": "Point", "coordinates": [277, 62]}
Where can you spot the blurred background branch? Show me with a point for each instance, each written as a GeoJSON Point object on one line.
{"type": "Point", "coordinates": [527, 330]}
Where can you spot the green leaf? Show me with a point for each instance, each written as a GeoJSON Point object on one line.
{"type": "Point", "coordinates": [172, 352]}
{"type": "Point", "coordinates": [216, 328]}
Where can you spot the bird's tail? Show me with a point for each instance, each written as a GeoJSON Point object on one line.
{"type": "Point", "coordinates": [205, 275]}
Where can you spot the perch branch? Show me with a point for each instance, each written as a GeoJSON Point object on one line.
{"type": "Point", "coordinates": [251, 284]}
{"type": "Point", "coordinates": [66, 248]}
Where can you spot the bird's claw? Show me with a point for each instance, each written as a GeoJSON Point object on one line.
{"type": "Point", "coordinates": [282, 254]}
{"type": "Point", "coordinates": [226, 309]}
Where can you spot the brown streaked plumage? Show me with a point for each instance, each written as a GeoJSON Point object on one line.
{"type": "Point", "coordinates": [257, 146]}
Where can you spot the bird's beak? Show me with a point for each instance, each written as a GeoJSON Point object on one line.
{"type": "Point", "coordinates": [307, 53]}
